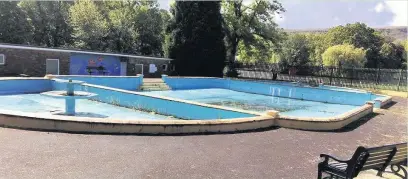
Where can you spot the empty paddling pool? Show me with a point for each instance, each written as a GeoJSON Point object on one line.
{"type": "Point", "coordinates": [259, 103]}
{"type": "Point", "coordinates": [193, 105]}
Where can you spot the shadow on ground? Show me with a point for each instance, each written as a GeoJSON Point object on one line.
{"type": "Point", "coordinates": [390, 104]}
{"type": "Point", "coordinates": [352, 126]}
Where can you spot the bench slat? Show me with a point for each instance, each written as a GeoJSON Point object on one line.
{"type": "Point", "coordinates": [383, 160]}
{"type": "Point", "coordinates": [373, 166]}
{"type": "Point", "coordinates": [380, 149]}
{"type": "Point", "coordinates": [379, 153]}
{"type": "Point", "coordinates": [378, 157]}
{"type": "Point", "coordinates": [398, 159]}
{"type": "Point", "coordinates": [401, 152]}
{"type": "Point", "coordinates": [400, 155]}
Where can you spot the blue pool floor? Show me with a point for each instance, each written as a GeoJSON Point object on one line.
{"type": "Point", "coordinates": [258, 103]}
{"type": "Point", "coordinates": [37, 103]}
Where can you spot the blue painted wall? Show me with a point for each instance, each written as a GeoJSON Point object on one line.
{"type": "Point", "coordinates": [126, 83]}
{"type": "Point", "coordinates": [273, 89]}
{"type": "Point", "coordinates": [194, 83]}
{"type": "Point", "coordinates": [80, 62]}
{"type": "Point", "coordinates": [19, 86]}
{"type": "Point", "coordinates": [162, 106]}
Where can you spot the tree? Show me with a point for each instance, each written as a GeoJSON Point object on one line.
{"type": "Point", "coordinates": [344, 56]}
{"type": "Point", "coordinates": [119, 26]}
{"type": "Point", "coordinates": [317, 45]}
{"type": "Point", "coordinates": [196, 42]}
{"type": "Point", "coordinates": [14, 25]}
{"type": "Point", "coordinates": [250, 24]}
{"type": "Point", "coordinates": [392, 55]}
{"type": "Point", "coordinates": [90, 26]}
{"type": "Point", "coordinates": [49, 21]}
{"type": "Point", "coordinates": [295, 51]}
{"type": "Point", "coordinates": [149, 22]}
{"type": "Point", "coordinates": [360, 36]}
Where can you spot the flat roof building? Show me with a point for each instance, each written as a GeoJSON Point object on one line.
{"type": "Point", "coordinates": [39, 61]}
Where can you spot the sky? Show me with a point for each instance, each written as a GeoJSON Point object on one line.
{"type": "Point", "coordinates": [317, 14]}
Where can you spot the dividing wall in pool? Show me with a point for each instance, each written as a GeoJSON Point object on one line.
{"type": "Point", "coordinates": [274, 89]}
{"type": "Point", "coordinates": [167, 106]}
{"type": "Point", "coordinates": [24, 85]}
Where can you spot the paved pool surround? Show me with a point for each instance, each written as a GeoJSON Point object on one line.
{"type": "Point", "coordinates": [203, 118]}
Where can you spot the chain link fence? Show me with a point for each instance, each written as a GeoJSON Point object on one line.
{"type": "Point", "coordinates": [373, 78]}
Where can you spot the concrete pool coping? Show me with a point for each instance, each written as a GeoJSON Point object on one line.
{"type": "Point", "coordinates": [49, 122]}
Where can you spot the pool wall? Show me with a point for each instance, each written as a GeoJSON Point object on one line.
{"type": "Point", "coordinates": [24, 85]}
{"type": "Point", "coordinates": [121, 82]}
{"type": "Point", "coordinates": [318, 94]}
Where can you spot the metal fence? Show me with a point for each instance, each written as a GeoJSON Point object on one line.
{"type": "Point", "coordinates": [373, 78]}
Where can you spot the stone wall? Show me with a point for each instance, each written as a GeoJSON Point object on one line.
{"type": "Point", "coordinates": [31, 62]}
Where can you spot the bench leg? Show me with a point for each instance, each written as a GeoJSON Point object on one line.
{"type": "Point", "coordinates": [380, 173]}
{"type": "Point", "coordinates": [319, 174]}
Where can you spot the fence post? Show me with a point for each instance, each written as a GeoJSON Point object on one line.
{"type": "Point", "coordinates": [399, 79]}
{"type": "Point", "coordinates": [331, 75]}
{"type": "Point", "coordinates": [352, 76]}
{"type": "Point", "coordinates": [377, 80]}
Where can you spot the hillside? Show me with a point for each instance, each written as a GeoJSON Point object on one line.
{"type": "Point", "coordinates": [396, 33]}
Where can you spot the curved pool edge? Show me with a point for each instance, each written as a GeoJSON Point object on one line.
{"type": "Point", "coordinates": [46, 122]}
{"type": "Point", "coordinates": [71, 124]}
{"type": "Point", "coordinates": [326, 123]}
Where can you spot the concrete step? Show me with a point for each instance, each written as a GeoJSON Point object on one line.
{"type": "Point", "coordinates": [154, 89]}
{"type": "Point", "coordinates": [155, 84]}
{"type": "Point", "coordinates": [147, 87]}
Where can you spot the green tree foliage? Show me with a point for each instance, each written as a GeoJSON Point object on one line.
{"type": "Point", "coordinates": [90, 26]}
{"type": "Point", "coordinates": [196, 42]}
{"type": "Point", "coordinates": [49, 22]}
{"type": "Point", "coordinates": [119, 26]}
{"type": "Point", "coordinates": [295, 51]}
{"type": "Point", "coordinates": [14, 25]}
{"type": "Point", "coordinates": [251, 27]}
{"type": "Point", "coordinates": [393, 55]}
{"type": "Point", "coordinates": [360, 36]}
{"type": "Point", "coordinates": [344, 56]}
{"type": "Point", "coordinates": [150, 26]}
{"type": "Point", "coordinates": [317, 45]}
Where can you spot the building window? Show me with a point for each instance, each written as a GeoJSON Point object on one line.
{"type": "Point", "coordinates": [164, 67]}
{"type": "Point", "coordinates": [2, 59]}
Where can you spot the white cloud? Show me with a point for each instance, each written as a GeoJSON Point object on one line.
{"type": "Point", "coordinates": [400, 10]}
{"type": "Point", "coordinates": [379, 7]}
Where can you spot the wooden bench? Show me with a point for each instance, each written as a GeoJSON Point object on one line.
{"type": "Point", "coordinates": [377, 158]}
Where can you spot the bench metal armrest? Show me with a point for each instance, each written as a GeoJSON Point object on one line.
{"type": "Point", "coordinates": [327, 157]}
